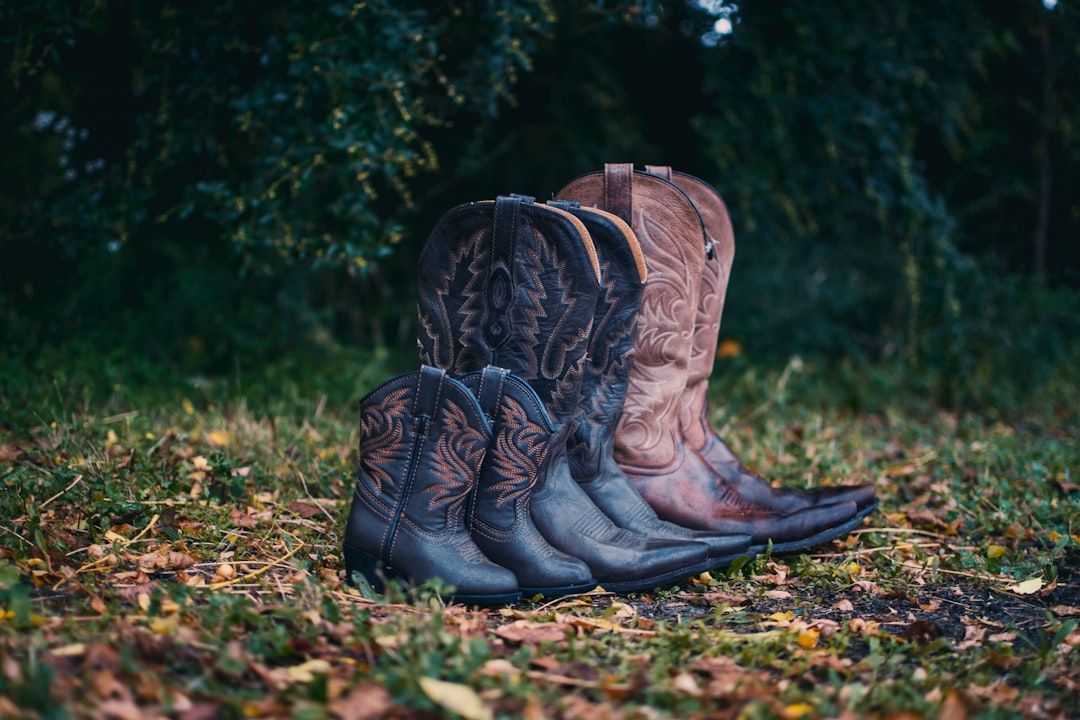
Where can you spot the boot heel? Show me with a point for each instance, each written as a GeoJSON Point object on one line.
{"type": "Point", "coordinates": [358, 561]}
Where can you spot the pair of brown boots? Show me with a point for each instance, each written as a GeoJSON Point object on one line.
{"type": "Point", "coordinates": [664, 442]}
{"type": "Point", "coordinates": [564, 353]}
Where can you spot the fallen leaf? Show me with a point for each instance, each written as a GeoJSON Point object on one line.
{"type": "Point", "coordinates": [306, 672]}
{"type": "Point", "coordinates": [532, 633]}
{"type": "Point", "coordinates": [1027, 587]}
{"type": "Point", "coordinates": [844, 606]}
{"type": "Point", "coordinates": [995, 551]}
{"type": "Point", "coordinates": [778, 594]}
{"type": "Point", "coordinates": [797, 710]}
{"type": "Point", "coordinates": [1065, 610]}
{"type": "Point", "coordinates": [218, 438]}
{"type": "Point", "coordinates": [71, 650]}
{"type": "Point", "coordinates": [460, 699]}
{"type": "Point", "coordinates": [365, 701]}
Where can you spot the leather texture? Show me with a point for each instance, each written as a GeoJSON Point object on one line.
{"type": "Point", "coordinates": [423, 438]}
{"type": "Point", "coordinates": [694, 416]}
{"type": "Point", "coordinates": [604, 385]}
{"type": "Point", "coordinates": [514, 284]}
{"type": "Point", "coordinates": [649, 445]}
{"type": "Point", "coordinates": [518, 458]}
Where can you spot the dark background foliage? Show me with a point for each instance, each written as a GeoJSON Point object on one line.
{"type": "Point", "coordinates": [202, 182]}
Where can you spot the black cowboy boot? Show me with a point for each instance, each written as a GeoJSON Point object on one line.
{"type": "Point", "coordinates": [514, 284]}
{"type": "Point", "coordinates": [603, 390]}
{"type": "Point", "coordinates": [422, 440]}
{"type": "Point", "coordinates": [498, 514]}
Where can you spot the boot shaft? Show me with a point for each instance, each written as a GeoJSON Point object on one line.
{"type": "Point", "coordinates": [520, 447]}
{"type": "Point", "coordinates": [422, 441]}
{"type": "Point", "coordinates": [611, 346]}
{"type": "Point", "coordinates": [669, 230]}
{"type": "Point", "coordinates": [715, 273]}
{"type": "Point", "coordinates": [513, 284]}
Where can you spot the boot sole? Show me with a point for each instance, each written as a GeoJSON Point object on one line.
{"type": "Point", "coordinates": [802, 544]}
{"type": "Point", "coordinates": [375, 572]}
{"type": "Point", "coordinates": [657, 581]}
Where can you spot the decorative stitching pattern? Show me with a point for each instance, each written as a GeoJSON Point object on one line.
{"type": "Point", "coordinates": [459, 451]}
{"type": "Point", "coordinates": [382, 433]}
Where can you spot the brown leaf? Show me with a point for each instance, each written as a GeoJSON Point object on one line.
{"type": "Point", "coordinates": [953, 708]}
{"type": "Point", "coordinates": [920, 632]}
{"type": "Point", "coordinates": [1065, 610]}
{"type": "Point", "coordinates": [844, 606]}
{"type": "Point", "coordinates": [532, 633]}
{"type": "Point", "coordinates": [778, 594]}
{"type": "Point", "coordinates": [305, 510]}
{"type": "Point", "coordinates": [365, 701]}
{"type": "Point", "coordinates": [120, 709]}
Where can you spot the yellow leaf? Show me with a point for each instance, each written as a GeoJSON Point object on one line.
{"type": "Point", "coordinates": [218, 438]}
{"type": "Point", "coordinates": [1027, 587]}
{"type": "Point", "coordinates": [995, 551]}
{"type": "Point", "coordinates": [188, 407]}
{"type": "Point", "coordinates": [69, 650]}
{"type": "Point", "coordinates": [797, 710]}
{"type": "Point", "coordinates": [306, 672]}
{"type": "Point", "coordinates": [808, 639]}
{"type": "Point", "coordinates": [460, 699]}
{"type": "Point", "coordinates": [781, 616]}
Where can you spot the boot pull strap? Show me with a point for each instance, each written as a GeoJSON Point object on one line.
{"type": "Point", "coordinates": [567, 205]}
{"type": "Point", "coordinates": [663, 171]}
{"type": "Point", "coordinates": [618, 190]}
{"type": "Point", "coordinates": [491, 389]}
{"type": "Point", "coordinates": [428, 389]}
{"type": "Point", "coordinates": [500, 286]}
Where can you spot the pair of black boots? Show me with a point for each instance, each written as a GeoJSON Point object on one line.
{"type": "Point", "coordinates": [491, 467]}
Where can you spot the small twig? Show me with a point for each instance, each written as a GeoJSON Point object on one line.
{"type": "Point", "coordinates": [73, 483]}
{"type": "Point", "coordinates": [260, 571]}
{"type": "Point", "coordinates": [908, 531]}
{"type": "Point", "coordinates": [974, 576]}
{"type": "Point", "coordinates": [308, 492]}
{"type": "Point", "coordinates": [18, 536]}
{"type": "Point", "coordinates": [131, 414]}
{"type": "Point", "coordinates": [149, 526]}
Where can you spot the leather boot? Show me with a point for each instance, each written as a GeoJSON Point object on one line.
{"type": "Point", "coordinates": [649, 445]}
{"type": "Point", "coordinates": [518, 458]}
{"type": "Point", "coordinates": [514, 284]}
{"type": "Point", "coordinates": [603, 390]}
{"type": "Point", "coordinates": [697, 432]}
{"type": "Point", "coordinates": [422, 440]}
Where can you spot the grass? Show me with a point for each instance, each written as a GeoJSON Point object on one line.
{"type": "Point", "coordinates": [171, 547]}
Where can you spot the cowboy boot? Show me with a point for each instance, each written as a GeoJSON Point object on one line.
{"type": "Point", "coordinates": [649, 447]}
{"type": "Point", "coordinates": [603, 389]}
{"type": "Point", "coordinates": [513, 284]}
{"type": "Point", "coordinates": [422, 440]}
{"type": "Point", "coordinates": [697, 433]}
{"type": "Point", "coordinates": [498, 514]}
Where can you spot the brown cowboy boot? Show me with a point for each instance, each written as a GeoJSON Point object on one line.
{"type": "Point", "coordinates": [422, 441]}
{"type": "Point", "coordinates": [649, 445]}
{"type": "Point", "coordinates": [698, 434]}
{"type": "Point", "coordinates": [603, 389]}
{"type": "Point", "coordinates": [514, 284]}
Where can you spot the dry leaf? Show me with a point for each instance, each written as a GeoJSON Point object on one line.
{"type": "Point", "coordinates": [844, 606]}
{"type": "Point", "coordinates": [1027, 587]}
{"type": "Point", "coordinates": [1065, 610]}
{"type": "Point", "coordinates": [306, 672]}
{"type": "Point", "coordinates": [365, 701]}
{"type": "Point", "coordinates": [532, 633]}
{"type": "Point", "coordinates": [457, 698]}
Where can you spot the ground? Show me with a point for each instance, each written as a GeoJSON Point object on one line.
{"type": "Point", "coordinates": [172, 548]}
